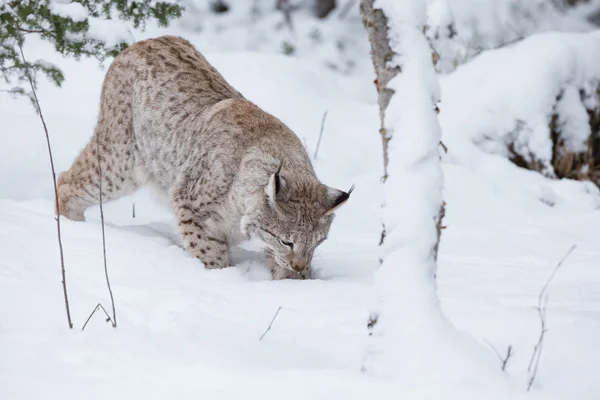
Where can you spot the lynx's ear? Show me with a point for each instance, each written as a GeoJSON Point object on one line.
{"type": "Point", "coordinates": [273, 187]}
{"type": "Point", "coordinates": [337, 198]}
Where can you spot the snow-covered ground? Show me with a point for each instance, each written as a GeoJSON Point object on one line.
{"type": "Point", "coordinates": [185, 332]}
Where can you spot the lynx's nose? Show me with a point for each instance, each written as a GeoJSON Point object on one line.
{"type": "Point", "coordinates": [298, 267]}
{"type": "Point", "coordinates": [299, 263]}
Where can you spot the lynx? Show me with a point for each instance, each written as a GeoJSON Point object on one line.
{"type": "Point", "coordinates": [231, 171]}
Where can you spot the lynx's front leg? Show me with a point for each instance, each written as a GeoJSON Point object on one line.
{"type": "Point", "coordinates": [200, 236]}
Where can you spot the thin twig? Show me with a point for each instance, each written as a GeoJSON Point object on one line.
{"type": "Point", "coordinates": [112, 300]}
{"type": "Point", "coordinates": [493, 348]}
{"type": "Point", "coordinates": [560, 263]}
{"type": "Point", "coordinates": [346, 9]}
{"type": "Point", "coordinates": [26, 31]}
{"type": "Point", "coordinates": [444, 147]}
{"type": "Point", "coordinates": [509, 353]}
{"type": "Point", "coordinates": [286, 9]}
{"type": "Point", "coordinates": [320, 134]}
{"type": "Point", "coordinates": [98, 306]}
{"type": "Point", "coordinates": [271, 324]}
{"type": "Point", "coordinates": [534, 362]}
{"type": "Point", "coordinates": [503, 359]}
{"type": "Point", "coordinates": [31, 30]}
{"type": "Point", "coordinates": [60, 248]}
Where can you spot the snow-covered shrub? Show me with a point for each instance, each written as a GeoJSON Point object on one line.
{"type": "Point", "coordinates": [535, 103]}
{"type": "Point", "coordinates": [577, 113]}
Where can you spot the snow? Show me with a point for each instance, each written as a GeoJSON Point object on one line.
{"type": "Point", "coordinates": [45, 64]}
{"type": "Point", "coordinates": [111, 32]}
{"type": "Point", "coordinates": [438, 13]}
{"type": "Point", "coordinates": [185, 332]}
{"type": "Point", "coordinates": [573, 119]}
{"type": "Point", "coordinates": [75, 11]}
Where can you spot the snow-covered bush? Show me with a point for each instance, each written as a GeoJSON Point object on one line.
{"type": "Point", "coordinates": [536, 103]}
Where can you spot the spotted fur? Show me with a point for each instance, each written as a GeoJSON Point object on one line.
{"type": "Point", "coordinates": [230, 170]}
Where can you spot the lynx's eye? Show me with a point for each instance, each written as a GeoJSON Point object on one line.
{"type": "Point", "coordinates": [286, 244]}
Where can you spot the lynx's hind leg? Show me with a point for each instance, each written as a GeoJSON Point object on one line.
{"type": "Point", "coordinates": [78, 188]}
{"type": "Point", "coordinates": [112, 147]}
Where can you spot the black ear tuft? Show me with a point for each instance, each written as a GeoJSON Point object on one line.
{"type": "Point", "coordinates": [277, 180]}
{"type": "Point", "coordinates": [351, 190]}
{"type": "Point", "coordinates": [343, 197]}
{"type": "Point", "coordinates": [337, 199]}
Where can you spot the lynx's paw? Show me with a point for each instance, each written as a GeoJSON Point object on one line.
{"type": "Point", "coordinates": [213, 253]}
{"type": "Point", "coordinates": [215, 260]}
{"type": "Point", "coordinates": [68, 205]}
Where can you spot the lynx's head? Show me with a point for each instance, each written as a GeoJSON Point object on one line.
{"type": "Point", "coordinates": [291, 217]}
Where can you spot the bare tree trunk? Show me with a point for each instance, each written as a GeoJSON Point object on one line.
{"type": "Point", "coordinates": [411, 341]}
{"type": "Point", "coordinates": [413, 207]}
{"type": "Point", "coordinates": [376, 24]}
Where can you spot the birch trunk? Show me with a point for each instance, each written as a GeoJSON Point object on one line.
{"type": "Point", "coordinates": [410, 338]}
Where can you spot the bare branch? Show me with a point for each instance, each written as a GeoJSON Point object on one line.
{"type": "Point", "coordinates": [493, 348]}
{"type": "Point", "coordinates": [31, 30]}
{"type": "Point", "coordinates": [286, 9]}
{"type": "Point", "coordinates": [26, 31]}
{"type": "Point", "coordinates": [58, 231]}
{"type": "Point", "coordinates": [320, 134]}
{"type": "Point", "coordinates": [98, 307]}
{"type": "Point", "coordinates": [271, 324]}
{"type": "Point", "coordinates": [112, 300]}
{"type": "Point", "coordinates": [509, 353]}
{"type": "Point", "coordinates": [444, 147]}
{"type": "Point", "coordinates": [503, 359]}
{"type": "Point", "coordinates": [346, 9]}
{"type": "Point", "coordinates": [534, 362]}
{"type": "Point", "coordinates": [560, 263]}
